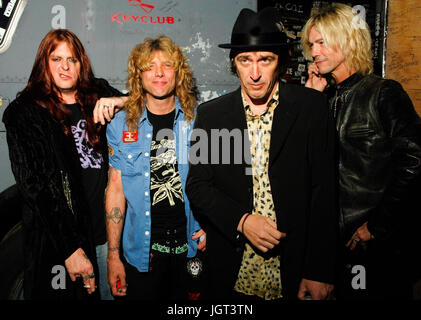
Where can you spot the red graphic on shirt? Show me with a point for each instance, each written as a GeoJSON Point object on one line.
{"type": "Point", "coordinates": [129, 136]}
{"type": "Point", "coordinates": [145, 7]}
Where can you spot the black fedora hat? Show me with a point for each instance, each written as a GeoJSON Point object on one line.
{"type": "Point", "coordinates": [252, 30]}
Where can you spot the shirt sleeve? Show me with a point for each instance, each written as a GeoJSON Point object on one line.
{"type": "Point", "coordinates": [114, 136]}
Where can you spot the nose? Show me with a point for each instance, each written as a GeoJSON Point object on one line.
{"type": "Point", "coordinates": [65, 64]}
{"type": "Point", "coordinates": [159, 71]}
{"type": "Point", "coordinates": [315, 51]}
{"type": "Point", "coordinates": [255, 72]}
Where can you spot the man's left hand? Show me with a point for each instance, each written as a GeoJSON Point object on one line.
{"type": "Point", "coordinates": [361, 235]}
{"type": "Point", "coordinates": [201, 235]}
{"type": "Point", "coordinates": [317, 290]}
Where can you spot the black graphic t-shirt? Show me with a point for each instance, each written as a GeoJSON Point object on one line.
{"type": "Point", "coordinates": [94, 173]}
{"type": "Point", "coordinates": [167, 200]}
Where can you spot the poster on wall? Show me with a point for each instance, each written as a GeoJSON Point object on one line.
{"type": "Point", "coordinates": [10, 13]}
{"type": "Point", "coordinates": [296, 13]}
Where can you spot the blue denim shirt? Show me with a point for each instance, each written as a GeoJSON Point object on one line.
{"type": "Point", "coordinates": [133, 159]}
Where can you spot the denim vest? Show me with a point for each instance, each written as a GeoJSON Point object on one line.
{"type": "Point", "coordinates": [133, 159]}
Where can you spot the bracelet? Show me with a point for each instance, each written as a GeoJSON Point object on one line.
{"type": "Point", "coordinates": [242, 225]}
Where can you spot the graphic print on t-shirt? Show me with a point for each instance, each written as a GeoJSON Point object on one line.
{"type": "Point", "coordinates": [165, 180]}
{"type": "Point", "coordinates": [88, 157]}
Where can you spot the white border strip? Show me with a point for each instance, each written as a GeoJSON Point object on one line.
{"type": "Point", "coordinates": [13, 24]}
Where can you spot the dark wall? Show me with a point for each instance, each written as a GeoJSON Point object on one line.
{"type": "Point", "coordinates": [296, 13]}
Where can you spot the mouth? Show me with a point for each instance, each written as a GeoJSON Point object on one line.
{"type": "Point", "coordinates": [64, 77]}
{"type": "Point", "coordinates": [256, 86]}
{"type": "Point", "coordinates": [160, 83]}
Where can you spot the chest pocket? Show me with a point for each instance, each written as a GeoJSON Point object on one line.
{"type": "Point", "coordinates": [360, 131]}
{"type": "Point", "coordinates": [365, 141]}
{"type": "Point", "coordinates": [132, 160]}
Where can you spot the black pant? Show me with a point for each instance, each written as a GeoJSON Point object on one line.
{"type": "Point", "coordinates": [166, 279]}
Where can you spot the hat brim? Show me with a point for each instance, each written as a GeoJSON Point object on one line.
{"type": "Point", "coordinates": [248, 46]}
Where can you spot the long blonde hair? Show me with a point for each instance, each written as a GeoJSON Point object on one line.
{"type": "Point", "coordinates": [341, 27]}
{"type": "Point", "coordinates": [185, 88]}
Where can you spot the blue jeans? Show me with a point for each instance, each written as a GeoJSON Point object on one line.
{"type": "Point", "coordinates": [101, 256]}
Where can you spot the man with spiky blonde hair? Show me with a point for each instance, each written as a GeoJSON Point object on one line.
{"type": "Point", "coordinates": [379, 135]}
{"type": "Point", "coordinates": [148, 148]}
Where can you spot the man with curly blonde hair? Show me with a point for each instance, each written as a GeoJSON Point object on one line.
{"type": "Point", "coordinates": [148, 151]}
{"type": "Point", "coordinates": [379, 135]}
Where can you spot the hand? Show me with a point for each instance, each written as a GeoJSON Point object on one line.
{"type": "Point", "coordinates": [317, 290]}
{"type": "Point", "coordinates": [315, 79]}
{"type": "Point", "coordinates": [116, 276]}
{"type": "Point", "coordinates": [201, 245]}
{"type": "Point", "coordinates": [104, 108]}
{"type": "Point", "coordinates": [78, 265]}
{"type": "Point", "coordinates": [261, 231]}
{"type": "Point", "coordinates": [362, 235]}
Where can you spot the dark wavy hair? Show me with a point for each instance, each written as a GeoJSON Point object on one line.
{"type": "Point", "coordinates": [42, 88]}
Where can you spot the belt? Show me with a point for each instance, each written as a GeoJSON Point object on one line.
{"type": "Point", "coordinates": [166, 249]}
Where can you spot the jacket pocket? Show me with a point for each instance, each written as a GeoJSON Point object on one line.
{"type": "Point", "coordinates": [357, 131]}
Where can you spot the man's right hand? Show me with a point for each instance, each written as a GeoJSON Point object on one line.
{"type": "Point", "coordinates": [315, 79]}
{"type": "Point", "coordinates": [261, 231]}
{"type": "Point", "coordinates": [116, 276]}
{"type": "Point", "coordinates": [79, 265]}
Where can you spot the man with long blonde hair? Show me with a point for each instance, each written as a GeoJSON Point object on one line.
{"type": "Point", "coordinates": [379, 156]}
{"type": "Point", "coordinates": [148, 152]}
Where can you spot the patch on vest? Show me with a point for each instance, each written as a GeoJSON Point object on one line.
{"type": "Point", "coordinates": [194, 267]}
{"type": "Point", "coordinates": [110, 151]}
{"type": "Point", "coordinates": [129, 136]}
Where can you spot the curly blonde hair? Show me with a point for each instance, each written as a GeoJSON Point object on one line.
{"type": "Point", "coordinates": [341, 27]}
{"type": "Point", "coordinates": [140, 57]}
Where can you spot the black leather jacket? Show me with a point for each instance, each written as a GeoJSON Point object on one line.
{"type": "Point", "coordinates": [379, 150]}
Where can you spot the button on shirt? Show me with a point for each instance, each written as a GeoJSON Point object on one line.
{"type": "Point", "coordinates": [133, 160]}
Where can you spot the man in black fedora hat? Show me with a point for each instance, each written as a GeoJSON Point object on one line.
{"type": "Point", "coordinates": [269, 212]}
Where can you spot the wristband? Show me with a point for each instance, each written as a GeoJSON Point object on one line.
{"type": "Point", "coordinates": [242, 225]}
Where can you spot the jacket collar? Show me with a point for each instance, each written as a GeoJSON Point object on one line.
{"type": "Point", "coordinates": [283, 119]}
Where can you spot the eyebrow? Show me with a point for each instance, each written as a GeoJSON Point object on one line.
{"type": "Point", "coordinates": [259, 57]}
{"type": "Point", "coordinates": [317, 40]}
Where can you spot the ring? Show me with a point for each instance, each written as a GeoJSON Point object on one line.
{"type": "Point", "coordinates": [91, 275]}
{"type": "Point", "coordinates": [105, 106]}
{"type": "Point", "coordinates": [355, 240]}
{"type": "Point", "coordinates": [87, 286]}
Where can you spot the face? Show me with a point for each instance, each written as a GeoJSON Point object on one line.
{"type": "Point", "coordinates": [64, 68]}
{"type": "Point", "coordinates": [327, 60]}
{"type": "Point", "coordinates": [257, 73]}
{"type": "Point", "coordinates": [159, 80]}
